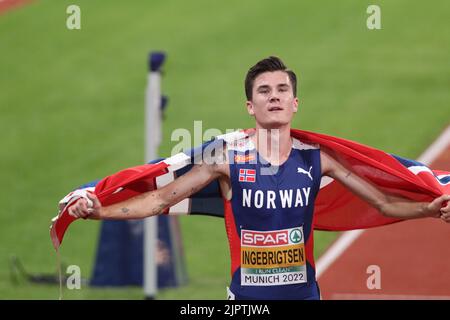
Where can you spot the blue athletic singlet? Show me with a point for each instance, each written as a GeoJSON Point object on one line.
{"type": "Point", "coordinates": [269, 223]}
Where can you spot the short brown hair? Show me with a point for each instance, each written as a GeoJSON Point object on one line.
{"type": "Point", "coordinates": [269, 64]}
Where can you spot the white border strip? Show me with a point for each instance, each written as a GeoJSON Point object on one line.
{"type": "Point", "coordinates": [354, 296]}
{"type": "Point", "coordinates": [348, 237]}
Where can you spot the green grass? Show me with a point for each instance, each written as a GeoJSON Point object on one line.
{"type": "Point", "coordinates": [71, 104]}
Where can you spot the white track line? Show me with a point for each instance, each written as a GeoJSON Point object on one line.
{"type": "Point", "coordinates": [348, 237]}
{"type": "Point", "coordinates": [436, 147]}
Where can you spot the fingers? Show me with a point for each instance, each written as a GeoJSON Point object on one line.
{"type": "Point", "coordinates": [442, 199]}
{"type": "Point", "coordinates": [79, 209]}
{"type": "Point", "coordinates": [445, 208]}
{"type": "Point", "coordinates": [440, 203]}
{"type": "Point", "coordinates": [73, 211]}
{"type": "Point", "coordinates": [446, 217]}
{"type": "Point", "coordinates": [95, 202]}
{"type": "Point", "coordinates": [445, 204]}
{"type": "Point", "coordinates": [83, 208]}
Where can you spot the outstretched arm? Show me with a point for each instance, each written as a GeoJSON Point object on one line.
{"type": "Point", "coordinates": [149, 203]}
{"type": "Point", "coordinates": [389, 206]}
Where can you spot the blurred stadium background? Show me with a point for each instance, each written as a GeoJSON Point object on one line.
{"type": "Point", "coordinates": [72, 104]}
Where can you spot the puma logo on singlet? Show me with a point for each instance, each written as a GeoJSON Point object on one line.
{"type": "Point", "coordinates": [308, 173]}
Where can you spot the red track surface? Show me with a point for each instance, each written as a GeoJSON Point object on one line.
{"type": "Point", "coordinates": [413, 256]}
{"type": "Point", "coordinates": [6, 5]}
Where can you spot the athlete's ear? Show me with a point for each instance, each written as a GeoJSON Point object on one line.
{"type": "Point", "coordinates": [295, 104]}
{"type": "Point", "coordinates": [249, 106]}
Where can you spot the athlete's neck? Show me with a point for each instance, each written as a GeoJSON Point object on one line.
{"type": "Point", "coordinates": [273, 144]}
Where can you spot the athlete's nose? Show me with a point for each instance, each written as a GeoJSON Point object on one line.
{"type": "Point", "coordinates": [274, 98]}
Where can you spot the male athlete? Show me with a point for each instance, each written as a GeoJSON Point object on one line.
{"type": "Point", "coordinates": [269, 196]}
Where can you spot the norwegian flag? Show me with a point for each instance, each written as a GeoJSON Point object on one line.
{"type": "Point", "coordinates": [247, 175]}
{"type": "Point", "coordinates": [336, 208]}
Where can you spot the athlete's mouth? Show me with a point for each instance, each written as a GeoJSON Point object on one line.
{"type": "Point", "coordinates": [275, 108]}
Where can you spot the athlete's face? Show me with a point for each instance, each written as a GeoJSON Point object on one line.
{"type": "Point", "coordinates": [273, 103]}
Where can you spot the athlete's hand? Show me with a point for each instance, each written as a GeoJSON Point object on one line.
{"type": "Point", "coordinates": [440, 208]}
{"type": "Point", "coordinates": [86, 208]}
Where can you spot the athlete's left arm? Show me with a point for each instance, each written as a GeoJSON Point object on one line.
{"type": "Point", "coordinates": [389, 206]}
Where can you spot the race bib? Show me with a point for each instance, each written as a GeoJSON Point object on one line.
{"type": "Point", "coordinates": [272, 258]}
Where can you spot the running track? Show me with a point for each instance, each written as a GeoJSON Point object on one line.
{"type": "Point", "coordinates": [10, 4]}
{"type": "Point", "coordinates": [413, 256]}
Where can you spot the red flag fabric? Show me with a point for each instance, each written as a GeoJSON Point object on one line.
{"type": "Point", "coordinates": [115, 188]}
{"type": "Point", "coordinates": [337, 209]}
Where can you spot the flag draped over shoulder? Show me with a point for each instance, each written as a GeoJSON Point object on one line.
{"type": "Point", "coordinates": [336, 208]}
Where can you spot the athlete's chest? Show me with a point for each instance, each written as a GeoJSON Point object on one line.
{"type": "Point", "coordinates": [262, 185]}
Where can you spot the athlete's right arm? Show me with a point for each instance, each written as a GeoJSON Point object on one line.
{"type": "Point", "coordinates": [153, 202]}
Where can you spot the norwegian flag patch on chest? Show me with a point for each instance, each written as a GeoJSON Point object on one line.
{"type": "Point", "coordinates": [247, 175]}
